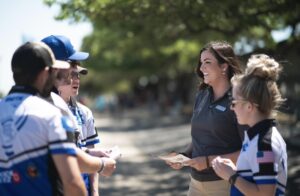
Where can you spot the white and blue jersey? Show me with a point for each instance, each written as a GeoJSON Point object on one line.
{"type": "Point", "coordinates": [58, 102]}
{"type": "Point", "coordinates": [87, 133]}
{"type": "Point", "coordinates": [85, 122]}
{"type": "Point", "coordinates": [263, 157]}
{"type": "Point", "coordinates": [31, 131]}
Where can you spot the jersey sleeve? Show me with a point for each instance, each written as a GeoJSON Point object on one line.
{"type": "Point", "coordinates": [61, 135]}
{"type": "Point", "coordinates": [265, 164]}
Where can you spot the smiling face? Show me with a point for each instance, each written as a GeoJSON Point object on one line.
{"type": "Point", "coordinates": [211, 69]}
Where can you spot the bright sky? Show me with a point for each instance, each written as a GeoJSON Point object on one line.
{"type": "Point", "coordinates": [30, 20]}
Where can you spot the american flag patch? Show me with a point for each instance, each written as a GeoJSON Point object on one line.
{"type": "Point", "coordinates": [265, 157]}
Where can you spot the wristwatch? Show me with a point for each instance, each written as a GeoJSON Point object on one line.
{"type": "Point", "coordinates": [233, 178]}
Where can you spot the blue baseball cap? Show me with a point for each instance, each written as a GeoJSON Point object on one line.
{"type": "Point", "coordinates": [63, 49]}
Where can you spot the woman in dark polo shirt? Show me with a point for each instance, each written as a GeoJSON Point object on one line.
{"type": "Point", "coordinates": [214, 128]}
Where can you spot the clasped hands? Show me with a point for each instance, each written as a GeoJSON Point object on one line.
{"type": "Point", "coordinates": [223, 167]}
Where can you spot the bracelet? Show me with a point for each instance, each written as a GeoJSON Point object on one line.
{"type": "Point", "coordinates": [207, 161]}
{"type": "Point", "coordinates": [233, 178]}
{"type": "Point", "coordinates": [87, 150]}
{"type": "Point", "coordinates": [102, 166]}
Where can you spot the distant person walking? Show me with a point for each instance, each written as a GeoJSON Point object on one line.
{"type": "Point", "coordinates": [261, 168]}
{"type": "Point", "coordinates": [33, 133]}
{"type": "Point", "coordinates": [214, 128]}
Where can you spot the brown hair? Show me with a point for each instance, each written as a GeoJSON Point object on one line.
{"type": "Point", "coordinates": [29, 60]}
{"type": "Point", "coordinates": [258, 84]}
{"type": "Point", "coordinates": [224, 53]}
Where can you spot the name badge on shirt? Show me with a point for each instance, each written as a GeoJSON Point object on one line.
{"type": "Point", "coordinates": [221, 108]}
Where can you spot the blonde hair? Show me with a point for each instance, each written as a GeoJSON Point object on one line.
{"type": "Point", "coordinates": [258, 84]}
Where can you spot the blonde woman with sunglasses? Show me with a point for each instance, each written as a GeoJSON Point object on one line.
{"type": "Point", "coordinates": [261, 167]}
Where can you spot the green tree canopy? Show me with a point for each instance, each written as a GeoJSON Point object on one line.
{"type": "Point", "coordinates": [134, 38]}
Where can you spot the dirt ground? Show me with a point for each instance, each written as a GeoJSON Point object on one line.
{"type": "Point", "coordinates": [141, 138]}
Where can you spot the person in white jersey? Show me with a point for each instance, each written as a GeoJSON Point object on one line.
{"type": "Point", "coordinates": [261, 167]}
{"type": "Point", "coordinates": [87, 136]}
{"type": "Point", "coordinates": [35, 142]}
{"type": "Point", "coordinates": [88, 164]}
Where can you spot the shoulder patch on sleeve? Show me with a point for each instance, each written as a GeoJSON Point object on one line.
{"type": "Point", "coordinates": [67, 124]}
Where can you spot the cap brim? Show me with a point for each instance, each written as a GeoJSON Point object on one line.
{"type": "Point", "coordinates": [61, 64]}
{"type": "Point", "coordinates": [82, 70]}
{"type": "Point", "coordinates": [79, 56]}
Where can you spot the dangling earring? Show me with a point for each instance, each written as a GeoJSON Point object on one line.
{"type": "Point", "coordinates": [224, 72]}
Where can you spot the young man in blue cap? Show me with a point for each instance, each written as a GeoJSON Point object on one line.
{"type": "Point", "coordinates": [87, 135]}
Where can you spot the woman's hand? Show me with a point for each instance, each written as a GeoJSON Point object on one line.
{"type": "Point", "coordinates": [97, 152]}
{"type": "Point", "coordinates": [109, 166]}
{"type": "Point", "coordinates": [223, 167]}
{"type": "Point", "coordinates": [199, 163]}
{"type": "Point", "coordinates": [176, 166]}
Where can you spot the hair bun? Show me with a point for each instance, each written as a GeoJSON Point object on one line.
{"type": "Point", "coordinates": [263, 66]}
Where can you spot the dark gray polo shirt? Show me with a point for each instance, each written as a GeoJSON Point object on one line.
{"type": "Point", "coordinates": [215, 130]}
